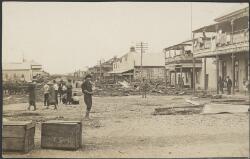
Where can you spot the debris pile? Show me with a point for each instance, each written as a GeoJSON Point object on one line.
{"type": "Point", "coordinates": [124, 88]}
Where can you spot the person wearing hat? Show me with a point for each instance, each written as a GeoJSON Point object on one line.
{"type": "Point", "coordinates": [32, 94]}
{"type": "Point", "coordinates": [87, 91]}
{"type": "Point", "coordinates": [52, 95]}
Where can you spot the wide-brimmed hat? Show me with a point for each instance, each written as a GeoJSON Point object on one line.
{"type": "Point", "coordinates": [88, 76]}
{"type": "Point", "coordinates": [49, 83]}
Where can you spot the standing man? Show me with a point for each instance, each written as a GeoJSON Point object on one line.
{"type": "Point", "coordinates": [144, 88]}
{"type": "Point", "coordinates": [46, 94]}
{"type": "Point", "coordinates": [32, 94]}
{"type": "Point", "coordinates": [87, 91]}
{"type": "Point", "coordinates": [56, 91]}
{"type": "Point", "coordinates": [60, 90]}
{"type": "Point", "coordinates": [246, 86]}
{"type": "Point", "coordinates": [69, 92]}
{"type": "Point", "coordinates": [229, 85]}
{"type": "Point", "coordinates": [180, 82]}
{"type": "Point", "coordinates": [221, 84]}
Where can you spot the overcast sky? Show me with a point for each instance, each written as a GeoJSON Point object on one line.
{"type": "Point", "coordinates": [67, 36]}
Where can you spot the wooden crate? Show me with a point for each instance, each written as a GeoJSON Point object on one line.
{"type": "Point", "coordinates": [61, 135]}
{"type": "Point", "coordinates": [18, 136]}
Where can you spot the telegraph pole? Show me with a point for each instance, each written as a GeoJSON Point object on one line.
{"type": "Point", "coordinates": [100, 69]}
{"type": "Point", "coordinates": [143, 47]}
{"type": "Point", "coordinates": [192, 36]}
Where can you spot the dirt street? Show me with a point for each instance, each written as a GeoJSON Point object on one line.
{"type": "Point", "coordinates": [125, 127]}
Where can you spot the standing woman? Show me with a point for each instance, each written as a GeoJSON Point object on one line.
{"type": "Point", "coordinates": [221, 84]}
{"type": "Point", "coordinates": [32, 94]}
{"type": "Point", "coordinates": [69, 92]}
{"type": "Point", "coordinates": [52, 95]}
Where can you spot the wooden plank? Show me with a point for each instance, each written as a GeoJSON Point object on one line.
{"type": "Point", "coordinates": [62, 121]}
{"type": "Point", "coordinates": [224, 108]}
{"type": "Point", "coordinates": [61, 134]}
{"type": "Point", "coordinates": [29, 139]}
{"type": "Point", "coordinates": [28, 124]}
{"type": "Point", "coordinates": [13, 144]}
{"type": "Point", "coordinates": [18, 136]}
{"type": "Point", "coordinates": [14, 131]}
{"type": "Point", "coordinates": [58, 129]}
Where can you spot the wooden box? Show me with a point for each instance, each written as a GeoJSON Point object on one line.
{"type": "Point", "coordinates": [18, 136]}
{"type": "Point", "coordinates": [61, 135]}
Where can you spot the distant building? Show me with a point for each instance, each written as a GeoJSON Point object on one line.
{"type": "Point", "coordinates": [81, 73]}
{"type": "Point", "coordinates": [129, 66]}
{"type": "Point", "coordinates": [102, 70]}
{"type": "Point", "coordinates": [24, 71]}
{"type": "Point", "coordinates": [224, 49]}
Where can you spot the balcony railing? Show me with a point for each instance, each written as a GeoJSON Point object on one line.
{"type": "Point", "coordinates": [181, 59]}
{"type": "Point", "coordinates": [222, 42]}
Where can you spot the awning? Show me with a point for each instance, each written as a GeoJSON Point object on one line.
{"type": "Point", "coordinates": [177, 47]}
{"type": "Point", "coordinates": [225, 26]}
{"type": "Point", "coordinates": [119, 71]}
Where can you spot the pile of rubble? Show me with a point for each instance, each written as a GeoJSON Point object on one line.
{"type": "Point", "coordinates": [123, 88]}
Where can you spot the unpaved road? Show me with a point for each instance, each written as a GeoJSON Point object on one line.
{"type": "Point", "coordinates": [124, 127]}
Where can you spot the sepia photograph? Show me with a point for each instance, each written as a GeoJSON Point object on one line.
{"type": "Point", "coordinates": [125, 79]}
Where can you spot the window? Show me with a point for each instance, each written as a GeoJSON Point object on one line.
{"type": "Point", "coordinates": [6, 76]}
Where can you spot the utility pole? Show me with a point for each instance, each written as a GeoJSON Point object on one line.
{"type": "Point", "coordinates": [100, 69]}
{"type": "Point", "coordinates": [143, 47]}
{"type": "Point", "coordinates": [192, 36]}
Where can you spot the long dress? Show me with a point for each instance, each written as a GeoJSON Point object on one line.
{"type": "Point", "coordinates": [32, 94]}
{"type": "Point", "coordinates": [52, 95]}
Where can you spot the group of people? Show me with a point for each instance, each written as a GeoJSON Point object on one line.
{"type": "Point", "coordinates": [222, 83]}
{"type": "Point", "coordinates": [50, 94]}
{"type": "Point", "coordinates": [228, 84]}
{"type": "Point", "coordinates": [52, 90]}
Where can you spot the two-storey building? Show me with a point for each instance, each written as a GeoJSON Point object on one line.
{"type": "Point", "coordinates": [101, 71]}
{"type": "Point", "coordinates": [224, 47]}
{"type": "Point", "coordinates": [179, 64]}
{"type": "Point", "coordinates": [131, 67]}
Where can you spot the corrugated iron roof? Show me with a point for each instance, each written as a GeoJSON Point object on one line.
{"type": "Point", "coordinates": [233, 11]}
{"type": "Point", "coordinates": [20, 65]}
